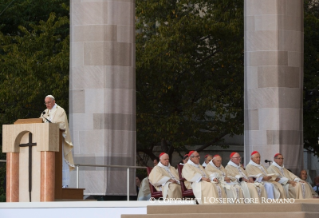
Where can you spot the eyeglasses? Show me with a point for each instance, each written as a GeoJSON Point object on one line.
{"type": "Point", "coordinates": [45, 103]}
{"type": "Point", "coordinates": [280, 158]}
{"type": "Point", "coordinates": [197, 156]}
{"type": "Point", "coordinates": [237, 157]}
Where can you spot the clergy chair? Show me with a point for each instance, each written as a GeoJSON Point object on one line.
{"type": "Point", "coordinates": [154, 192]}
{"type": "Point", "coordinates": [185, 192]}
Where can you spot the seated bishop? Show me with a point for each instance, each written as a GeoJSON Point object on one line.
{"type": "Point", "coordinates": [293, 185]}
{"type": "Point", "coordinates": [254, 169]}
{"type": "Point", "coordinates": [207, 159]}
{"type": "Point", "coordinates": [225, 184]}
{"type": "Point", "coordinates": [303, 177]}
{"type": "Point", "coordinates": [205, 192]}
{"type": "Point", "coordinates": [251, 189]}
{"type": "Point", "coordinates": [164, 178]}
{"type": "Point", "coordinates": [187, 184]}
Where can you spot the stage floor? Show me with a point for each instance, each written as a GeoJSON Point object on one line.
{"type": "Point", "coordinates": [155, 209]}
{"type": "Point", "coordinates": [78, 209]}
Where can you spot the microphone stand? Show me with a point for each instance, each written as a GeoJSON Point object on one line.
{"type": "Point", "coordinates": [45, 117]}
{"type": "Point", "coordinates": [268, 161]}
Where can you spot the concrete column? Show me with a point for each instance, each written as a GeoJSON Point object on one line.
{"type": "Point", "coordinates": [274, 80]}
{"type": "Point", "coordinates": [102, 92]}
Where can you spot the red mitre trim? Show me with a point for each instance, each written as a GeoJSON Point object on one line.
{"type": "Point", "coordinates": [162, 154]}
{"type": "Point", "coordinates": [277, 155]}
{"type": "Point", "coordinates": [232, 154]}
{"type": "Point", "coordinates": [190, 153]}
{"type": "Point", "coordinates": [254, 152]}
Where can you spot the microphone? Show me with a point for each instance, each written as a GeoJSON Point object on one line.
{"type": "Point", "coordinates": [268, 161]}
{"type": "Point", "coordinates": [45, 117]}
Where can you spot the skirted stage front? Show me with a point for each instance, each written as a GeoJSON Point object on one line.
{"type": "Point", "coordinates": [132, 209]}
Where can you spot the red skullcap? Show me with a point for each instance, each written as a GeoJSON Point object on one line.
{"type": "Point", "coordinates": [216, 155]}
{"type": "Point", "coordinates": [232, 154]}
{"type": "Point", "coordinates": [277, 155]}
{"type": "Point", "coordinates": [190, 153]}
{"type": "Point", "coordinates": [162, 154]}
{"type": "Point", "coordinates": [254, 152]}
{"type": "Point", "coordinates": [206, 155]}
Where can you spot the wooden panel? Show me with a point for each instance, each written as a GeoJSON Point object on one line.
{"type": "Point", "coordinates": [58, 169]}
{"type": "Point", "coordinates": [28, 121]}
{"type": "Point", "coordinates": [12, 188]}
{"type": "Point", "coordinates": [44, 134]}
{"type": "Point", "coordinates": [72, 193]}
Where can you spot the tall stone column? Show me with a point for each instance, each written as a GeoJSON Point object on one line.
{"type": "Point", "coordinates": [274, 80]}
{"type": "Point", "coordinates": [102, 93]}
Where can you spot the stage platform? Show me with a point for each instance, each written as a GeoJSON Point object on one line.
{"type": "Point", "coordinates": [78, 209]}
{"type": "Point", "coordinates": [147, 209]}
{"type": "Point", "coordinates": [299, 209]}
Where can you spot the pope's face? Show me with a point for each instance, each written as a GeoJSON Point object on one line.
{"type": "Point", "coordinates": [279, 160]}
{"type": "Point", "coordinates": [256, 158]}
{"type": "Point", "coordinates": [49, 103]}
{"type": "Point", "coordinates": [164, 159]}
{"type": "Point", "coordinates": [195, 159]}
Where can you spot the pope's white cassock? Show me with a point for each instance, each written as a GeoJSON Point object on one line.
{"type": "Point", "coordinates": [274, 189]}
{"type": "Point", "coordinates": [159, 178]}
{"type": "Point", "coordinates": [301, 190]}
{"type": "Point", "coordinates": [57, 115]}
{"type": "Point", "coordinates": [233, 190]}
{"type": "Point", "coordinates": [254, 190]}
{"type": "Point", "coordinates": [205, 192]}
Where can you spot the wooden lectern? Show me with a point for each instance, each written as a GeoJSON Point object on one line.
{"type": "Point", "coordinates": [34, 162]}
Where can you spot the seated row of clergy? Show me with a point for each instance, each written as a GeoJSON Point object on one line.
{"type": "Point", "coordinates": [233, 181]}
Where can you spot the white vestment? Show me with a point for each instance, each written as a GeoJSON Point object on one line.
{"type": "Point", "coordinates": [254, 190]}
{"type": "Point", "coordinates": [57, 115]}
{"type": "Point", "coordinates": [301, 189]}
{"type": "Point", "coordinates": [159, 178]}
{"type": "Point", "coordinates": [232, 189]}
{"type": "Point", "coordinates": [274, 189]}
{"type": "Point", "coordinates": [205, 192]}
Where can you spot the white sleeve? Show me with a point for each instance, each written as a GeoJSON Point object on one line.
{"type": "Point", "coordinates": [213, 176]}
{"type": "Point", "coordinates": [283, 180]}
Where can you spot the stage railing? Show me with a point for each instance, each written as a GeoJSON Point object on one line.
{"type": "Point", "coordinates": [104, 166]}
{"type": "Point", "coordinates": [110, 166]}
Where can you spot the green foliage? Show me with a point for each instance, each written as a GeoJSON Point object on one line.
{"type": "Point", "coordinates": [311, 76]}
{"type": "Point", "coordinates": [33, 65]}
{"type": "Point", "coordinates": [189, 65]}
{"type": "Point", "coordinates": [15, 13]}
